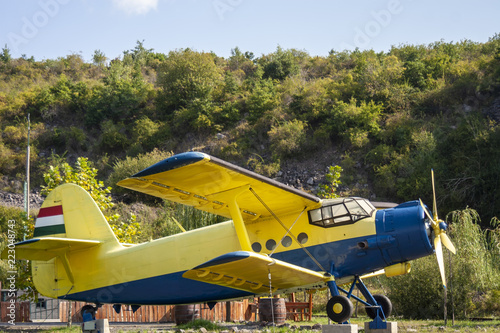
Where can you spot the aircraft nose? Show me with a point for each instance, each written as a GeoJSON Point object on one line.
{"type": "Point", "coordinates": [443, 226]}
{"type": "Point", "coordinates": [406, 223]}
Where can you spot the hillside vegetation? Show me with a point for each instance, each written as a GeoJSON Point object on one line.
{"type": "Point", "coordinates": [386, 118]}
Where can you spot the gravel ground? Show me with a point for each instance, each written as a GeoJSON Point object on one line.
{"type": "Point", "coordinates": [153, 327]}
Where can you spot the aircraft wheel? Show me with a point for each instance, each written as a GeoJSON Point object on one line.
{"type": "Point", "coordinates": [339, 309]}
{"type": "Point", "coordinates": [384, 302]}
{"type": "Point", "coordinates": [88, 309]}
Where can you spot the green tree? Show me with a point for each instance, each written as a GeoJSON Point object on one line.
{"type": "Point", "coordinates": [123, 94]}
{"type": "Point", "coordinates": [350, 121]}
{"type": "Point", "coordinates": [262, 98]}
{"type": "Point", "coordinates": [5, 55]}
{"type": "Point", "coordinates": [280, 64]}
{"type": "Point", "coordinates": [329, 190]}
{"type": "Point", "coordinates": [99, 58]}
{"type": "Point", "coordinates": [186, 76]}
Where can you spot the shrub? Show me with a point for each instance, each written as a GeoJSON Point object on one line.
{"type": "Point", "coordinates": [144, 133]}
{"type": "Point", "coordinates": [112, 138]}
{"type": "Point", "coordinates": [344, 119]}
{"type": "Point", "coordinates": [131, 165]}
{"type": "Point", "coordinates": [257, 164]}
{"type": "Point", "coordinates": [287, 138]}
{"type": "Point", "coordinates": [262, 98]}
{"type": "Point", "coordinates": [14, 135]}
{"type": "Point", "coordinates": [329, 190]}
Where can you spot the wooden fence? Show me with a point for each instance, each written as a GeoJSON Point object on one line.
{"type": "Point", "coordinates": [222, 311]}
{"type": "Point", "coordinates": [21, 311]}
{"type": "Point", "coordinates": [244, 310]}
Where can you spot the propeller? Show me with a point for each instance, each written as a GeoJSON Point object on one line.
{"type": "Point", "coordinates": [440, 237]}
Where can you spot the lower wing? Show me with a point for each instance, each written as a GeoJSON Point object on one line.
{"type": "Point", "coordinates": [255, 273]}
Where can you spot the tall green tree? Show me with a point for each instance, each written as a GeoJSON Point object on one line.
{"type": "Point", "coordinates": [187, 76]}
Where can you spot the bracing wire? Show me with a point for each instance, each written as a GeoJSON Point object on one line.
{"type": "Point", "coordinates": [288, 231]}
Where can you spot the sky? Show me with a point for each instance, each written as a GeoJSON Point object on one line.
{"type": "Point", "coordinates": [48, 29]}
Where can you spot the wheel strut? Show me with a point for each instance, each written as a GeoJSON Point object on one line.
{"type": "Point", "coordinates": [340, 308]}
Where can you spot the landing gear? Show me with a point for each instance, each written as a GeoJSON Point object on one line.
{"type": "Point", "coordinates": [339, 309]}
{"type": "Point", "coordinates": [384, 302]}
{"type": "Point", "coordinates": [88, 312]}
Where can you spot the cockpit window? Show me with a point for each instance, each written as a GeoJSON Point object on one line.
{"type": "Point", "coordinates": [341, 211]}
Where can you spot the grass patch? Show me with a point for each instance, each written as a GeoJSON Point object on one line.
{"type": "Point", "coordinates": [199, 323]}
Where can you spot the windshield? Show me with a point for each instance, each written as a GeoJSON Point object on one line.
{"type": "Point", "coordinates": [341, 211]}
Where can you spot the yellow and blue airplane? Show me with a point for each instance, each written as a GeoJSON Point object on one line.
{"type": "Point", "coordinates": [279, 239]}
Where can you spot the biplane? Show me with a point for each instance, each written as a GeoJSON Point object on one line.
{"type": "Point", "coordinates": [278, 240]}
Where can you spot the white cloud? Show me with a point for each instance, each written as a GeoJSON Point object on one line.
{"type": "Point", "coordinates": [135, 6]}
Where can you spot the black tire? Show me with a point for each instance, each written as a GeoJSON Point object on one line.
{"type": "Point", "coordinates": [384, 302]}
{"type": "Point", "coordinates": [339, 309]}
{"type": "Point", "coordinates": [89, 309]}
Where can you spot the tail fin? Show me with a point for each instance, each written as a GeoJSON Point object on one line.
{"type": "Point", "coordinates": [70, 212]}
{"type": "Point", "coordinates": [69, 223]}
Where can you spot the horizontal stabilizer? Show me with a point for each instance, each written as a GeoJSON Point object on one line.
{"type": "Point", "coordinates": [254, 273]}
{"type": "Point", "coordinates": [44, 249]}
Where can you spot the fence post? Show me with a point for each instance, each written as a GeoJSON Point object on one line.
{"type": "Point", "coordinates": [69, 314]}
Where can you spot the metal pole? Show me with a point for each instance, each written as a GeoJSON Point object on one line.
{"type": "Point", "coordinates": [27, 194]}
{"type": "Point", "coordinates": [328, 298]}
{"type": "Point", "coordinates": [451, 292]}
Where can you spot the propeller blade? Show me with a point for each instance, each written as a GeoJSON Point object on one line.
{"type": "Point", "coordinates": [427, 213]}
{"type": "Point", "coordinates": [434, 205]}
{"type": "Point", "coordinates": [447, 242]}
{"type": "Point", "coordinates": [439, 255]}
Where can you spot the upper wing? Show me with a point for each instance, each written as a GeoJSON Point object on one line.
{"type": "Point", "coordinates": [253, 272]}
{"type": "Point", "coordinates": [201, 181]}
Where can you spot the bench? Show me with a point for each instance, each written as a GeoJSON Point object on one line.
{"type": "Point", "coordinates": [294, 309]}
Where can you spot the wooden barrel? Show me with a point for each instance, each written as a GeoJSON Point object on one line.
{"type": "Point", "coordinates": [186, 313]}
{"type": "Point", "coordinates": [272, 307]}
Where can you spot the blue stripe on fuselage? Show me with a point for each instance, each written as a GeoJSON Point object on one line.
{"type": "Point", "coordinates": [342, 258]}
{"type": "Point", "coordinates": [164, 289]}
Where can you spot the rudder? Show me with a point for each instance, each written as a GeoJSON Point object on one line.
{"type": "Point", "coordinates": [70, 212]}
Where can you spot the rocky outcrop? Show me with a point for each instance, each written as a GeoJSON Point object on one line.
{"type": "Point", "coordinates": [17, 200]}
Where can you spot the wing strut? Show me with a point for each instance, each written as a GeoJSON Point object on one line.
{"type": "Point", "coordinates": [230, 197]}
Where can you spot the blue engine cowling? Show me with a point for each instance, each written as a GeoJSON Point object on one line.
{"type": "Point", "coordinates": [403, 233]}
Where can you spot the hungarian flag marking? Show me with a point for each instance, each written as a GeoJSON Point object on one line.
{"type": "Point", "coordinates": [50, 221]}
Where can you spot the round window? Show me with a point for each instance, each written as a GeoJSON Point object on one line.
{"type": "Point", "coordinates": [302, 238]}
{"type": "Point", "coordinates": [287, 241]}
{"type": "Point", "coordinates": [271, 244]}
{"type": "Point", "coordinates": [256, 247]}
